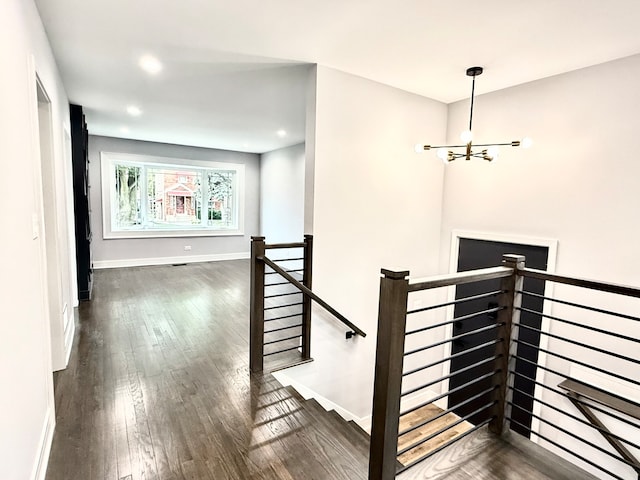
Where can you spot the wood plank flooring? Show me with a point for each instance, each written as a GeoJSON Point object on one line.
{"type": "Point", "coordinates": [158, 387]}
{"type": "Point", "coordinates": [430, 411]}
{"type": "Point", "coordinates": [483, 456]}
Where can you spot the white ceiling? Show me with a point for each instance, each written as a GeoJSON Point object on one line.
{"type": "Point", "coordinates": [235, 72]}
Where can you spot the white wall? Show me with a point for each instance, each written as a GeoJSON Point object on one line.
{"type": "Point", "coordinates": [141, 251]}
{"type": "Point", "coordinates": [376, 204]}
{"type": "Point", "coordinates": [282, 194]}
{"type": "Point", "coordinates": [579, 184]}
{"type": "Point", "coordinates": [26, 407]}
{"type": "Point", "coordinates": [310, 148]}
{"type": "Point", "coordinates": [56, 177]}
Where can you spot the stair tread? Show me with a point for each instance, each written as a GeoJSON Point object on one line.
{"type": "Point", "coordinates": [354, 433]}
{"type": "Point", "coordinates": [295, 394]}
{"type": "Point", "coordinates": [340, 428]}
{"type": "Point", "coordinates": [354, 428]}
{"type": "Point", "coordinates": [313, 428]}
{"type": "Point", "coordinates": [360, 431]}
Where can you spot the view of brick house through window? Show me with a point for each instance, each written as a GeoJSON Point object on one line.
{"type": "Point", "coordinates": [159, 197]}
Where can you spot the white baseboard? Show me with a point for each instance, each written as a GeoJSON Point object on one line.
{"type": "Point", "coordinates": [46, 439]}
{"type": "Point", "coordinates": [307, 393]}
{"type": "Point", "coordinates": [144, 262]}
{"type": "Point", "coordinates": [68, 336]}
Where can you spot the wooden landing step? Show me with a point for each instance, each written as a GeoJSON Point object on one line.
{"type": "Point", "coordinates": [482, 455]}
{"type": "Point", "coordinates": [287, 363]}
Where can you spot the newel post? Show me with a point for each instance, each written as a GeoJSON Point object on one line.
{"type": "Point", "coordinates": [392, 318]}
{"type": "Point", "coordinates": [256, 299]}
{"type": "Point", "coordinates": [306, 300]}
{"type": "Point", "coordinates": [510, 300]}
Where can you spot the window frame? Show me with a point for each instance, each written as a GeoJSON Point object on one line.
{"type": "Point", "coordinates": [108, 187]}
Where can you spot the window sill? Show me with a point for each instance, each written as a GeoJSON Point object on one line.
{"type": "Point", "coordinates": [172, 234]}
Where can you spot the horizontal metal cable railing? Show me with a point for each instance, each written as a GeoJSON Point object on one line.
{"type": "Point", "coordinates": [280, 314]}
{"type": "Point", "coordinates": [590, 361]}
{"type": "Point", "coordinates": [281, 297]}
{"type": "Point", "coordinates": [561, 370]}
{"type": "Point", "coordinates": [421, 403]}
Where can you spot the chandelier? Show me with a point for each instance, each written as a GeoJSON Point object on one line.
{"type": "Point", "coordinates": [485, 151]}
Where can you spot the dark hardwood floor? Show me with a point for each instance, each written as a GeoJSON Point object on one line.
{"type": "Point", "coordinates": [158, 387]}
{"type": "Point", "coordinates": [483, 456]}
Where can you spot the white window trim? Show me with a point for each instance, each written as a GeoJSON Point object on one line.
{"type": "Point", "coordinates": [108, 158]}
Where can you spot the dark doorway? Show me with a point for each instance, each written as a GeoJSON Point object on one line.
{"type": "Point", "coordinates": [474, 254]}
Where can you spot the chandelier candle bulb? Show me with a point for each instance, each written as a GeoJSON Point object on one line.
{"type": "Point", "coordinates": [150, 64]}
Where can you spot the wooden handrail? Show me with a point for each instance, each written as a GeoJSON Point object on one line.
{"type": "Point", "coordinates": [308, 292]}
{"type": "Point", "coordinates": [576, 389]}
{"type": "Point", "coordinates": [582, 282]}
{"type": "Point", "coordinates": [284, 245]}
{"type": "Point", "coordinates": [459, 278]}
{"type": "Point", "coordinates": [598, 395]}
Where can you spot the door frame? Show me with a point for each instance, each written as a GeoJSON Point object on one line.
{"type": "Point", "coordinates": [552, 246]}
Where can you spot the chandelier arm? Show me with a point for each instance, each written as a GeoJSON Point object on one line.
{"type": "Point", "coordinates": [515, 143]}
{"type": "Point", "coordinates": [448, 146]}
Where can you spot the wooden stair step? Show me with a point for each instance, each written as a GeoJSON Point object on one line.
{"type": "Point", "coordinates": [341, 431]}
{"type": "Point", "coordinates": [328, 450]}
{"type": "Point", "coordinates": [289, 364]}
{"type": "Point", "coordinates": [295, 394]}
{"type": "Point", "coordinates": [350, 431]}
{"type": "Point", "coordinates": [360, 431]}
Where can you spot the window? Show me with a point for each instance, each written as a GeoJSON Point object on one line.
{"type": "Point", "coordinates": [158, 197]}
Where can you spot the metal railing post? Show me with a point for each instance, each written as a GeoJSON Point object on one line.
{"type": "Point", "coordinates": [510, 300]}
{"type": "Point", "coordinates": [306, 301]}
{"type": "Point", "coordinates": [392, 318]}
{"type": "Point", "coordinates": [256, 313]}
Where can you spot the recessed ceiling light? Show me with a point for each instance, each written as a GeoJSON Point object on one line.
{"type": "Point", "coordinates": [150, 64]}
{"type": "Point", "coordinates": [281, 133]}
{"type": "Point", "coordinates": [124, 129]}
{"type": "Point", "coordinates": [134, 111]}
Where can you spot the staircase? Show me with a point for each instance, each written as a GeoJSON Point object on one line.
{"type": "Point", "coordinates": [342, 449]}
{"type": "Point", "coordinates": [311, 442]}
